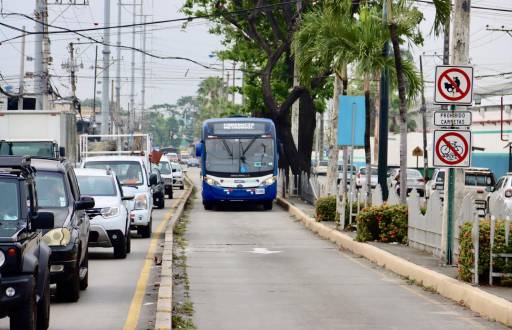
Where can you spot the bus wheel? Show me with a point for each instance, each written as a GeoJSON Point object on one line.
{"type": "Point", "coordinates": [268, 205]}
{"type": "Point", "coordinates": [208, 206]}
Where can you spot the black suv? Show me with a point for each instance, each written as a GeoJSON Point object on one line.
{"type": "Point", "coordinates": [24, 269]}
{"type": "Point", "coordinates": [58, 192]}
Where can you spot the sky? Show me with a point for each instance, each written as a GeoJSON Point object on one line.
{"type": "Point", "coordinates": [168, 80]}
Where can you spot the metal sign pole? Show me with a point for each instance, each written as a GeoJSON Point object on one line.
{"type": "Point", "coordinates": [352, 142]}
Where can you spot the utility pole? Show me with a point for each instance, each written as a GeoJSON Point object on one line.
{"type": "Point", "coordinates": [233, 83]}
{"type": "Point", "coordinates": [131, 113]}
{"type": "Point", "coordinates": [41, 62]}
{"type": "Point", "coordinates": [423, 111]}
{"type": "Point", "coordinates": [454, 186]}
{"type": "Point", "coordinates": [384, 110]}
{"type": "Point", "coordinates": [72, 68]}
{"type": "Point", "coordinates": [143, 91]}
{"type": "Point", "coordinates": [94, 89]}
{"type": "Point", "coordinates": [105, 99]}
{"type": "Point", "coordinates": [22, 71]}
{"type": "Point", "coordinates": [118, 62]}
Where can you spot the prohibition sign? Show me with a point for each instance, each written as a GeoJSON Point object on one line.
{"type": "Point", "coordinates": [462, 93]}
{"type": "Point", "coordinates": [454, 148]}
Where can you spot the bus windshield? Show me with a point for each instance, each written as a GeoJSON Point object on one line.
{"type": "Point", "coordinates": [240, 155]}
{"type": "Point", "coordinates": [27, 148]}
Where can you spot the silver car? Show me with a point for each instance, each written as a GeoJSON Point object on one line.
{"type": "Point", "coordinates": [414, 181]}
{"type": "Point", "coordinates": [361, 177]}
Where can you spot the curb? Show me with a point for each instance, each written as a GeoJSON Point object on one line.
{"type": "Point", "coordinates": [479, 301]}
{"type": "Point", "coordinates": [163, 318]}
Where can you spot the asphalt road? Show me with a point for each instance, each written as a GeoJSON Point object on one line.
{"type": "Point", "coordinates": [112, 285]}
{"type": "Point", "coordinates": [254, 269]}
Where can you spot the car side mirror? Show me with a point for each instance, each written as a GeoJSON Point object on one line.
{"type": "Point", "coordinates": [43, 220]}
{"type": "Point", "coordinates": [84, 203]}
{"type": "Point", "coordinates": [153, 179]}
{"type": "Point", "coordinates": [62, 152]}
{"type": "Point", "coordinates": [128, 197]}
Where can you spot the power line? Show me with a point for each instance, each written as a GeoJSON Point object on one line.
{"type": "Point", "coordinates": [504, 10]}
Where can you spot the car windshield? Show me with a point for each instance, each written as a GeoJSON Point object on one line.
{"type": "Point", "coordinates": [374, 171]}
{"type": "Point", "coordinates": [240, 155]}
{"type": "Point", "coordinates": [9, 200]}
{"type": "Point", "coordinates": [129, 173]}
{"type": "Point", "coordinates": [51, 190]}
{"type": "Point", "coordinates": [164, 167]}
{"type": "Point", "coordinates": [479, 179]}
{"type": "Point", "coordinates": [97, 185]}
{"type": "Point", "coordinates": [413, 174]}
{"type": "Point", "coordinates": [27, 148]}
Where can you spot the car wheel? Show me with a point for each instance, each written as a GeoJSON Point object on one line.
{"type": "Point", "coordinates": [161, 202]}
{"type": "Point", "coordinates": [268, 205]}
{"type": "Point", "coordinates": [182, 187]}
{"type": "Point", "coordinates": [69, 290]}
{"type": "Point", "coordinates": [128, 241]}
{"type": "Point", "coordinates": [208, 206]}
{"type": "Point", "coordinates": [145, 232]}
{"type": "Point", "coordinates": [25, 317]}
{"type": "Point", "coordinates": [121, 248]}
{"type": "Point", "coordinates": [43, 308]}
{"type": "Point", "coordinates": [170, 195]}
{"type": "Point", "coordinates": [84, 282]}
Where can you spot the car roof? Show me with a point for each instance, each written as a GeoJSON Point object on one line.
{"type": "Point", "coordinates": [92, 172]}
{"type": "Point", "coordinates": [114, 158]}
{"type": "Point", "coordinates": [46, 164]}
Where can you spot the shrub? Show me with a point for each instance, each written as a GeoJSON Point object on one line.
{"type": "Point", "coordinates": [466, 255]}
{"type": "Point", "coordinates": [383, 223]}
{"type": "Point", "coordinates": [325, 208]}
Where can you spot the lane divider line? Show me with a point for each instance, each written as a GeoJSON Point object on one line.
{"type": "Point", "coordinates": [140, 289]}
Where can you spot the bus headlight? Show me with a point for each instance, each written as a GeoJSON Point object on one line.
{"type": "Point", "coordinates": [109, 212]}
{"type": "Point", "coordinates": [2, 258]}
{"type": "Point", "coordinates": [141, 202]}
{"type": "Point", "coordinates": [57, 237]}
{"type": "Point", "coordinates": [212, 182]}
{"type": "Point", "coordinates": [269, 181]}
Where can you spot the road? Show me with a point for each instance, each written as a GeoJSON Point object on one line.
{"type": "Point", "coordinates": [109, 299]}
{"type": "Point", "coordinates": [253, 269]}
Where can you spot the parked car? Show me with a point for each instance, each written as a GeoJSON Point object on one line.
{"type": "Point", "coordinates": [24, 257]}
{"type": "Point", "coordinates": [158, 190]}
{"type": "Point", "coordinates": [166, 172]}
{"type": "Point", "coordinates": [361, 177]}
{"type": "Point", "coordinates": [502, 194]}
{"type": "Point", "coordinates": [415, 181]}
{"type": "Point", "coordinates": [58, 192]}
{"type": "Point", "coordinates": [133, 172]}
{"type": "Point", "coordinates": [477, 180]}
{"type": "Point", "coordinates": [110, 223]}
{"type": "Point", "coordinates": [177, 176]}
{"type": "Point", "coordinates": [193, 162]}
{"type": "Point", "coordinates": [351, 170]}
{"type": "Point", "coordinates": [321, 167]}
{"type": "Point", "coordinates": [172, 157]}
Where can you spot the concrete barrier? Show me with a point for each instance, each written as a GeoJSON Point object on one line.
{"type": "Point", "coordinates": [479, 301]}
{"type": "Point", "coordinates": [163, 320]}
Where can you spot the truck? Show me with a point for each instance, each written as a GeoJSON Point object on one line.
{"type": "Point", "coordinates": [40, 133]}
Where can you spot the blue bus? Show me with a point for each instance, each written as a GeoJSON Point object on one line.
{"type": "Point", "coordinates": [238, 161]}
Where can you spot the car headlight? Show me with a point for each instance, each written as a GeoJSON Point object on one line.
{"type": "Point", "coordinates": [212, 182]}
{"type": "Point", "coordinates": [109, 212]}
{"type": "Point", "coordinates": [57, 237]}
{"type": "Point", "coordinates": [269, 181]}
{"type": "Point", "coordinates": [2, 258]}
{"type": "Point", "coordinates": [141, 202]}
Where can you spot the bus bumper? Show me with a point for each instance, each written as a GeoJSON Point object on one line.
{"type": "Point", "coordinates": [222, 194]}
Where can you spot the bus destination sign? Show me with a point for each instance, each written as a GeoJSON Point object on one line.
{"type": "Point", "coordinates": [233, 128]}
{"type": "Point", "coordinates": [452, 118]}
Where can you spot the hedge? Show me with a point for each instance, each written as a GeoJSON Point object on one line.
{"type": "Point", "coordinates": [382, 223]}
{"type": "Point", "coordinates": [325, 208]}
{"type": "Point", "coordinates": [466, 255]}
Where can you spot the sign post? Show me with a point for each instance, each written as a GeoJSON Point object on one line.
{"type": "Point", "coordinates": [452, 146]}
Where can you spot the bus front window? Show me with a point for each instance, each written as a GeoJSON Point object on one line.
{"type": "Point", "coordinates": [239, 155]}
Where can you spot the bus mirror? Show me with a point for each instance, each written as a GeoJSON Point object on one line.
{"type": "Point", "coordinates": [199, 149]}
{"type": "Point", "coordinates": [62, 152]}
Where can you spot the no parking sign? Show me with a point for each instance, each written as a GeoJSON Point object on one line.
{"type": "Point", "coordinates": [454, 85]}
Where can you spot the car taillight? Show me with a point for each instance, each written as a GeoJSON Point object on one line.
{"type": "Point", "coordinates": [508, 193]}
{"type": "Point", "coordinates": [421, 180]}
{"type": "Point", "coordinates": [480, 191]}
{"type": "Point", "coordinates": [11, 252]}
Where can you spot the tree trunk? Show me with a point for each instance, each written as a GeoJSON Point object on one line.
{"type": "Point", "coordinates": [376, 121]}
{"type": "Point", "coordinates": [403, 111]}
{"type": "Point", "coordinates": [332, 171]}
{"type": "Point", "coordinates": [367, 149]}
{"type": "Point", "coordinates": [307, 125]}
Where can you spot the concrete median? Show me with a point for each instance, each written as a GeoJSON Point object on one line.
{"type": "Point", "coordinates": [484, 303]}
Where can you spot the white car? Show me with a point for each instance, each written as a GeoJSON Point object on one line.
{"type": "Point", "coordinates": [414, 181]}
{"type": "Point", "coordinates": [110, 225]}
{"type": "Point", "coordinates": [166, 172]}
{"type": "Point", "coordinates": [361, 177]}
{"type": "Point", "coordinates": [133, 174]}
{"type": "Point", "coordinates": [321, 167]}
{"type": "Point", "coordinates": [502, 194]}
{"type": "Point", "coordinates": [177, 176]}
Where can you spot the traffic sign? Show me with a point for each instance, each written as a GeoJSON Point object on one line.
{"type": "Point", "coordinates": [452, 118]}
{"type": "Point", "coordinates": [452, 148]}
{"type": "Point", "coordinates": [453, 85]}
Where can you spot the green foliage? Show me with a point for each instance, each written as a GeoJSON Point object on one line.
{"type": "Point", "coordinates": [466, 254]}
{"type": "Point", "coordinates": [325, 208]}
{"type": "Point", "coordinates": [383, 223]}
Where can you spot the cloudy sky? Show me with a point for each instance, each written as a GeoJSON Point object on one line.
{"type": "Point", "coordinates": [168, 80]}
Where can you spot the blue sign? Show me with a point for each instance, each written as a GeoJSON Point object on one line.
{"type": "Point", "coordinates": [351, 121]}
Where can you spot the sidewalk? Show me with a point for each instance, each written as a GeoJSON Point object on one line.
{"type": "Point", "coordinates": [415, 256]}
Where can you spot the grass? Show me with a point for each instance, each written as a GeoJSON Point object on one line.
{"type": "Point", "coordinates": [179, 322]}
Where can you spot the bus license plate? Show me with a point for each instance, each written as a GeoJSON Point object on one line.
{"type": "Point", "coordinates": [260, 191]}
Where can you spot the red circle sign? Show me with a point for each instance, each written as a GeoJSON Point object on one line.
{"type": "Point", "coordinates": [452, 149]}
{"type": "Point", "coordinates": [462, 93]}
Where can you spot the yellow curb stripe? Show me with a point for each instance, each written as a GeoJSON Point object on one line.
{"type": "Point", "coordinates": [134, 312]}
